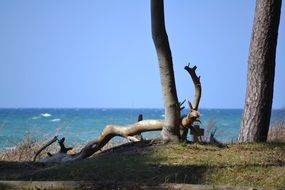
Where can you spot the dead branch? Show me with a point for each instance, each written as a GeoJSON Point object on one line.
{"type": "Point", "coordinates": [45, 146]}
{"type": "Point", "coordinates": [108, 133]}
{"type": "Point", "coordinates": [138, 137]}
{"type": "Point", "coordinates": [194, 114]}
{"type": "Point", "coordinates": [111, 131]}
{"type": "Point", "coordinates": [197, 84]}
{"type": "Point", "coordinates": [181, 105]}
{"type": "Point", "coordinates": [130, 131]}
{"type": "Point", "coordinates": [63, 149]}
{"type": "Point", "coordinates": [213, 140]}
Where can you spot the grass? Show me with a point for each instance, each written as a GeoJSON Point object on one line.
{"type": "Point", "coordinates": [248, 164]}
{"type": "Point", "coordinates": [254, 164]}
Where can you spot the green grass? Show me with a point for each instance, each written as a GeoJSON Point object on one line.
{"type": "Point", "coordinates": [254, 164]}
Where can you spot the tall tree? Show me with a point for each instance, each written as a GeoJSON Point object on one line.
{"type": "Point", "coordinates": [170, 131]}
{"type": "Point", "coordinates": [261, 70]}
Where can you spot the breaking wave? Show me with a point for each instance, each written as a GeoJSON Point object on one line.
{"type": "Point", "coordinates": [55, 120]}
{"type": "Point", "coordinates": [45, 114]}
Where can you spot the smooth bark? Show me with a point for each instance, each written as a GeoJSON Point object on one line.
{"type": "Point", "coordinates": [108, 133]}
{"type": "Point", "coordinates": [170, 131]}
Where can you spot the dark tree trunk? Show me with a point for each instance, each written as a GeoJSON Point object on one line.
{"type": "Point", "coordinates": [261, 70]}
{"type": "Point", "coordinates": [170, 131]}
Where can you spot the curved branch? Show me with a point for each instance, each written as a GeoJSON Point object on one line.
{"type": "Point", "coordinates": [45, 146]}
{"type": "Point", "coordinates": [111, 131]}
{"type": "Point", "coordinates": [108, 133]}
{"type": "Point", "coordinates": [197, 84]}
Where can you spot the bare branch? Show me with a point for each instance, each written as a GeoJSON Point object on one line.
{"type": "Point", "coordinates": [108, 133]}
{"type": "Point", "coordinates": [180, 105]}
{"type": "Point", "coordinates": [111, 131]}
{"type": "Point", "coordinates": [190, 105]}
{"type": "Point", "coordinates": [197, 84]}
{"type": "Point", "coordinates": [45, 146]}
{"type": "Point", "coordinates": [63, 149]}
{"type": "Point", "coordinates": [138, 136]}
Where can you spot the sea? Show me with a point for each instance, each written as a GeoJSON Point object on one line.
{"type": "Point", "coordinates": [79, 126]}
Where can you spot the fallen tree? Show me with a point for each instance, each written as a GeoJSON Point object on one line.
{"type": "Point", "coordinates": [174, 127]}
{"type": "Point", "coordinates": [130, 131]}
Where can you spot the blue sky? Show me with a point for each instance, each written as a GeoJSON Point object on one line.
{"type": "Point", "coordinates": [100, 53]}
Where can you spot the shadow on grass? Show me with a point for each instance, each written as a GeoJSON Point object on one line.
{"type": "Point", "coordinates": [11, 170]}
{"type": "Point", "coordinates": [126, 165]}
{"type": "Point", "coordinates": [135, 165]}
{"type": "Point", "coordinates": [122, 170]}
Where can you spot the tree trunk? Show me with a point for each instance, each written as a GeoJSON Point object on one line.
{"type": "Point", "coordinates": [261, 70]}
{"type": "Point", "coordinates": [170, 131]}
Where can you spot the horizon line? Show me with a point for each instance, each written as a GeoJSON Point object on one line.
{"type": "Point", "coordinates": [203, 108]}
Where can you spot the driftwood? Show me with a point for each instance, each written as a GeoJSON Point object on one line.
{"type": "Point", "coordinates": [213, 140]}
{"type": "Point", "coordinates": [130, 131]}
{"type": "Point", "coordinates": [108, 133]}
{"type": "Point", "coordinates": [193, 115]}
{"type": "Point", "coordinates": [44, 147]}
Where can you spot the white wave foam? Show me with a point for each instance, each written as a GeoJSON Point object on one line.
{"type": "Point", "coordinates": [36, 117]}
{"type": "Point", "coordinates": [55, 120]}
{"type": "Point", "coordinates": [45, 114]}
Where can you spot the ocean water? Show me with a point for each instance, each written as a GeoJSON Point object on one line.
{"type": "Point", "coordinates": [83, 125]}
